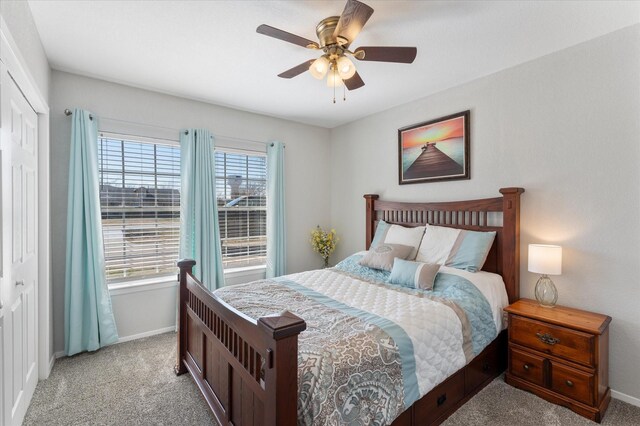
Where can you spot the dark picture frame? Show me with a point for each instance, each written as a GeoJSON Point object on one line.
{"type": "Point", "coordinates": [421, 160]}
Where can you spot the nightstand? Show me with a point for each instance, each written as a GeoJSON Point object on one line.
{"type": "Point", "coordinates": [560, 354]}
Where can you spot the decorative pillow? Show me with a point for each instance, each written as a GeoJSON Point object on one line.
{"type": "Point", "coordinates": [413, 274]}
{"type": "Point", "coordinates": [471, 250]}
{"type": "Point", "coordinates": [397, 234]}
{"type": "Point", "coordinates": [436, 244]}
{"type": "Point", "coordinates": [382, 255]}
{"type": "Point", "coordinates": [381, 233]}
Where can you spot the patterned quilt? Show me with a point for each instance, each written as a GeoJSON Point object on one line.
{"type": "Point", "coordinates": [371, 349]}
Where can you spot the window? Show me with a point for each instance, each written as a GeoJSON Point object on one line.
{"type": "Point", "coordinates": [140, 203]}
{"type": "Point", "coordinates": [241, 186]}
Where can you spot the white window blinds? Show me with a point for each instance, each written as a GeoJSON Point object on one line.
{"type": "Point", "coordinates": [241, 181]}
{"type": "Point", "coordinates": [140, 202]}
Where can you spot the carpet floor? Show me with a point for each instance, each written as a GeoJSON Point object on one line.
{"type": "Point", "coordinates": [130, 383]}
{"type": "Point", "coordinates": [133, 384]}
{"type": "Point", "coordinates": [500, 404]}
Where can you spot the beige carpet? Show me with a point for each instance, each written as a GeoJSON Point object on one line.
{"type": "Point", "coordinates": [126, 384]}
{"type": "Point", "coordinates": [502, 405]}
{"type": "Point", "coordinates": [133, 384]}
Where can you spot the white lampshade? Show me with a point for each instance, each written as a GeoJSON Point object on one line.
{"type": "Point", "coordinates": [346, 69]}
{"type": "Point", "coordinates": [333, 79]}
{"type": "Point", "coordinates": [545, 259]}
{"type": "Point", "coordinates": [319, 67]}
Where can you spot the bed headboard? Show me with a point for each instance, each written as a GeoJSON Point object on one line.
{"type": "Point", "coordinates": [500, 214]}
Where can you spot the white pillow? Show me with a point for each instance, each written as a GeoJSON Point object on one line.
{"type": "Point", "coordinates": [405, 236]}
{"type": "Point", "coordinates": [437, 244]}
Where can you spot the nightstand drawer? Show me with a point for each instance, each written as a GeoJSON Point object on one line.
{"type": "Point", "coordinates": [572, 345]}
{"type": "Point", "coordinates": [526, 366]}
{"type": "Point", "coordinates": [573, 383]}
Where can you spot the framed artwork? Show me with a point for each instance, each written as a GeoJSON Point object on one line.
{"type": "Point", "coordinates": [435, 150]}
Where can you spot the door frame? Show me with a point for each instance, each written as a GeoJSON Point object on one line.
{"type": "Point", "coordinates": [11, 60]}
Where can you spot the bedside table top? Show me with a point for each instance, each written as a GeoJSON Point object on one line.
{"type": "Point", "coordinates": [589, 322]}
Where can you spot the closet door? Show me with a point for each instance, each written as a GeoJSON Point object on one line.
{"type": "Point", "coordinates": [19, 269]}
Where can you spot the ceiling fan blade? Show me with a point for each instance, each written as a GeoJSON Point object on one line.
{"type": "Point", "coordinates": [297, 70]}
{"type": "Point", "coordinates": [353, 18]}
{"type": "Point", "coordinates": [404, 55]}
{"type": "Point", "coordinates": [285, 36]}
{"type": "Point", "coordinates": [354, 82]}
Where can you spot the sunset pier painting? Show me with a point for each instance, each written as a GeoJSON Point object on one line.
{"type": "Point", "coordinates": [436, 150]}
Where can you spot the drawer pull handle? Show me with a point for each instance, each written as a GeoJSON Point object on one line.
{"type": "Point", "coordinates": [441, 399]}
{"type": "Point", "coordinates": [569, 383]}
{"type": "Point", "coordinates": [526, 367]}
{"type": "Point", "coordinates": [547, 338]}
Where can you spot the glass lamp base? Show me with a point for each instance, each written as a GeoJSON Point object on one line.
{"type": "Point", "coordinates": [546, 293]}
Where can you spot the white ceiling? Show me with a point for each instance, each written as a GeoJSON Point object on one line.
{"type": "Point", "coordinates": [210, 51]}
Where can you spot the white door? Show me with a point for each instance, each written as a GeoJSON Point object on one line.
{"type": "Point", "coordinates": [19, 267]}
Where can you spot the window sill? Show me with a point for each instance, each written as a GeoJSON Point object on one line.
{"type": "Point", "coordinates": [167, 281]}
{"type": "Point", "coordinates": [145, 284]}
{"type": "Point", "coordinates": [246, 270]}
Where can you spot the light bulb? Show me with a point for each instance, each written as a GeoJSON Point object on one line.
{"type": "Point", "coordinates": [319, 67]}
{"type": "Point", "coordinates": [346, 69]}
{"type": "Point", "coordinates": [333, 79]}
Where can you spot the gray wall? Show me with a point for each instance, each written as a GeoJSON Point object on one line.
{"type": "Point", "coordinates": [307, 157]}
{"type": "Point", "coordinates": [17, 15]}
{"type": "Point", "coordinates": [565, 127]}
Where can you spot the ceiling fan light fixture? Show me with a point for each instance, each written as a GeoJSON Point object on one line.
{"type": "Point", "coordinates": [319, 68]}
{"type": "Point", "coordinates": [334, 80]}
{"type": "Point", "coordinates": [346, 69]}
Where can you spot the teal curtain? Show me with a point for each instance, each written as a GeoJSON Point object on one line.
{"type": "Point", "coordinates": [88, 316]}
{"type": "Point", "coordinates": [276, 214]}
{"type": "Point", "coordinates": [199, 230]}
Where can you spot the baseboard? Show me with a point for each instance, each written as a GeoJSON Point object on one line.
{"type": "Point", "coordinates": [146, 334]}
{"type": "Point", "coordinates": [52, 361]}
{"type": "Point", "coordinates": [59, 354]}
{"type": "Point", "coordinates": [625, 398]}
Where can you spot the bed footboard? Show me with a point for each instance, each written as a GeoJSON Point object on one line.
{"type": "Point", "coordinates": [247, 370]}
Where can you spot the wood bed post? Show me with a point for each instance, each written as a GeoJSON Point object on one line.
{"type": "Point", "coordinates": [186, 267]}
{"type": "Point", "coordinates": [281, 368]}
{"type": "Point", "coordinates": [511, 243]}
{"type": "Point", "coordinates": [371, 218]}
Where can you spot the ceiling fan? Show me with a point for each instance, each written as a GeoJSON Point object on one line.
{"type": "Point", "coordinates": [335, 35]}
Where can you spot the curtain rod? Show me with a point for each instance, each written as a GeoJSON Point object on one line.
{"type": "Point", "coordinates": [68, 112]}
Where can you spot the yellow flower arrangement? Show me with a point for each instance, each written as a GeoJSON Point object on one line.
{"type": "Point", "coordinates": [324, 243]}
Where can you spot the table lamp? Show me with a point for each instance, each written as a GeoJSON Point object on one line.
{"type": "Point", "coordinates": [546, 260]}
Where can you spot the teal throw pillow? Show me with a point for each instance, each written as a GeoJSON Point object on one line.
{"type": "Point", "coordinates": [470, 250]}
{"type": "Point", "coordinates": [413, 274]}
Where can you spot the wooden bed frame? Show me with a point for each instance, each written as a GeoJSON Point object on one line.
{"type": "Point", "coordinates": [247, 369]}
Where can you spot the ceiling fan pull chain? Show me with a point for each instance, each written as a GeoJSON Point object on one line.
{"type": "Point", "coordinates": [334, 84]}
{"type": "Point", "coordinates": [344, 94]}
